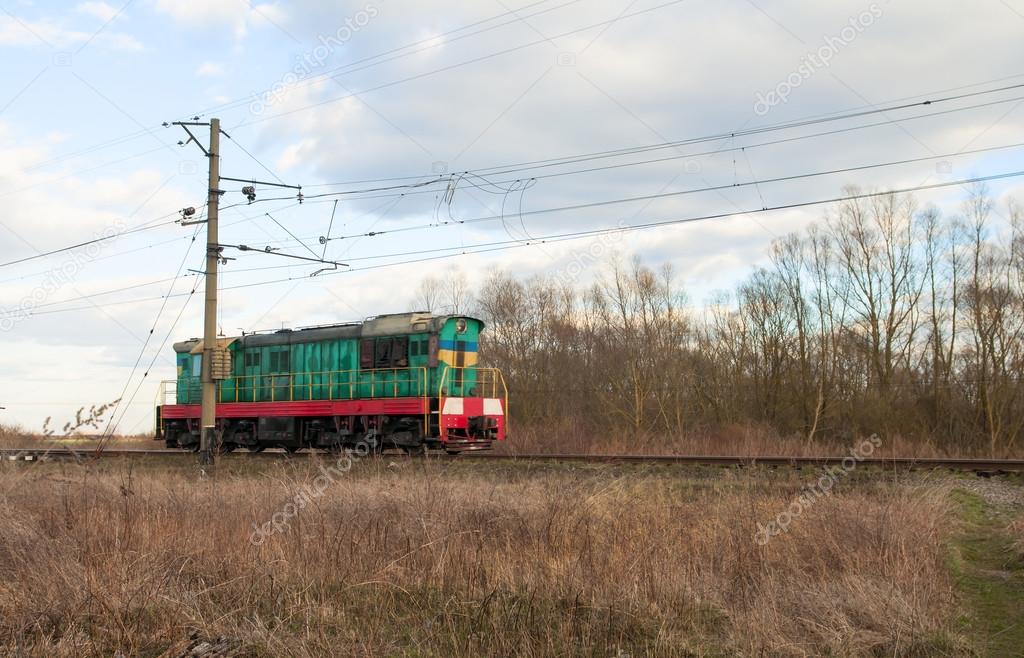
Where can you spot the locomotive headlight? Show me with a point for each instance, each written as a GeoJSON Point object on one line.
{"type": "Point", "coordinates": [460, 325]}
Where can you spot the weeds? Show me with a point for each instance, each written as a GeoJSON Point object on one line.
{"type": "Point", "coordinates": [90, 419]}
{"type": "Point", "coordinates": [429, 559]}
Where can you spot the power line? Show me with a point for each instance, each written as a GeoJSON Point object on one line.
{"type": "Point", "coordinates": [80, 171]}
{"type": "Point", "coordinates": [145, 132]}
{"type": "Point", "coordinates": [149, 335]}
{"type": "Point", "coordinates": [585, 157]}
{"type": "Point", "coordinates": [576, 235]}
{"type": "Point", "coordinates": [460, 64]}
{"type": "Point", "coordinates": [241, 102]}
{"type": "Point", "coordinates": [148, 226]}
{"type": "Point", "coordinates": [104, 293]}
{"type": "Point", "coordinates": [429, 44]}
{"type": "Point", "coordinates": [580, 158]}
{"type": "Point", "coordinates": [545, 211]}
{"type": "Point", "coordinates": [501, 169]}
{"type": "Point", "coordinates": [254, 158]}
{"type": "Point", "coordinates": [152, 244]}
{"type": "Point", "coordinates": [158, 352]}
{"type": "Point", "coordinates": [826, 114]}
{"type": "Point", "coordinates": [664, 195]}
{"type": "Point", "coordinates": [91, 149]}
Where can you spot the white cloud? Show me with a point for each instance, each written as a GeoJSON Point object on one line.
{"type": "Point", "coordinates": [209, 69]}
{"type": "Point", "coordinates": [296, 153]}
{"type": "Point", "coordinates": [100, 10]}
{"type": "Point", "coordinates": [20, 32]}
{"type": "Point", "coordinates": [217, 14]}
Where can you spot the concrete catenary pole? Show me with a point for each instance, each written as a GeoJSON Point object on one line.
{"type": "Point", "coordinates": [208, 429]}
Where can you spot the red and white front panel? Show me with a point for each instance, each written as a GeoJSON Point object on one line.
{"type": "Point", "coordinates": [456, 412]}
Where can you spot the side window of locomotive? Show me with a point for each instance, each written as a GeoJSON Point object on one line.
{"type": "Point", "coordinates": [432, 347]}
{"type": "Point", "coordinates": [197, 365]}
{"type": "Point", "coordinates": [400, 352]}
{"type": "Point", "coordinates": [366, 347]}
{"type": "Point", "coordinates": [414, 346]}
{"type": "Point", "coordinates": [383, 356]}
{"type": "Point", "coordinates": [252, 359]}
{"type": "Point", "coordinates": [280, 361]}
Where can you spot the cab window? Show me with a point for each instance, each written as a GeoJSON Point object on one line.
{"type": "Point", "coordinates": [280, 361]}
{"type": "Point", "coordinates": [400, 352]}
{"type": "Point", "coordinates": [383, 358]}
{"type": "Point", "coordinates": [384, 353]}
{"type": "Point", "coordinates": [366, 353]}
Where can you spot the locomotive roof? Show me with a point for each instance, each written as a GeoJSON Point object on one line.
{"type": "Point", "coordinates": [396, 324]}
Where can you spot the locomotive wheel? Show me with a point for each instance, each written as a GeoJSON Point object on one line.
{"type": "Point", "coordinates": [256, 448]}
{"type": "Point", "coordinates": [291, 450]}
{"type": "Point", "coordinates": [415, 451]}
{"type": "Point", "coordinates": [225, 448]}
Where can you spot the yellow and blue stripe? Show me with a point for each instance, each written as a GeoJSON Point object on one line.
{"type": "Point", "coordinates": [457, 353]}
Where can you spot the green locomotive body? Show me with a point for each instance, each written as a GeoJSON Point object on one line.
{"type": "Point", "coordinates": [408, 380]}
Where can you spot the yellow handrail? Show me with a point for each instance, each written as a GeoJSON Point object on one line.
{"type": "Point", "coordinates": [488, 382]}
{"type": "Point", "coordinates": [380, 382]}
{"type": "Point", "coordinates": [485, 377]}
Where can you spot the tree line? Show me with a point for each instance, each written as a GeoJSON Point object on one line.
{"type": "Point", "coordinates": [882, 317]}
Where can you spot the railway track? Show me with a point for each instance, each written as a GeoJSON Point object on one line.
{"type": "Point", "coordinates": [775, 461]}
{"type": "Point", "coordinates": [903, 463]}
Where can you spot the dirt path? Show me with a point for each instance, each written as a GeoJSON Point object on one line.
{"type": "Point", "coordinates": [988, 568]}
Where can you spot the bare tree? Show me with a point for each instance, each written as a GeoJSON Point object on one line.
{"type": "Point", "coordinates": [457, 295]}
{"type": "Point", "coordinates": [428, 295]}
{"type": "Point", "coordinates": [880, 318]}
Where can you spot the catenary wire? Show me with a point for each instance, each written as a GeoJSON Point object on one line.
{"type": "Point", "coordinates": [575, 235]}
{"type": "Point", "coordinates": [152, 329]}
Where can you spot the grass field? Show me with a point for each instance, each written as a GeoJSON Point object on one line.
{"type": "Point", "coordinates": [400, 557]}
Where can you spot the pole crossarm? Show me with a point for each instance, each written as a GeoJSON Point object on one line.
{"type": "Point", "coordinates": [261, 182]}
{"type": "Point", "coordinates": [274, 252]}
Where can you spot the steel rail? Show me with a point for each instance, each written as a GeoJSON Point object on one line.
{"type": "Point", "coordinates": [962, 464]}
{"type": "Point", "coordinates": [773, 461]}
{"type": "Point", "coordinates": [43, 454]}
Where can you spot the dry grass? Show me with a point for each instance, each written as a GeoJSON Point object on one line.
{"type": "Point", "coordinates": [1016, 531]}
{"type": "Point", "coordinates": [735, 439]}
{"type": "Point", "coordinates": [421, 558]}
{"type": "Point", "coordinates": [18, 437]}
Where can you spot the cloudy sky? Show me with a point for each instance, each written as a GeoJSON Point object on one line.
{"type": "Point", "coordinates": [346, 98]}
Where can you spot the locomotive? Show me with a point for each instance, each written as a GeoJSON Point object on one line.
{"type": "Point", "coordinates": [408, 381]}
